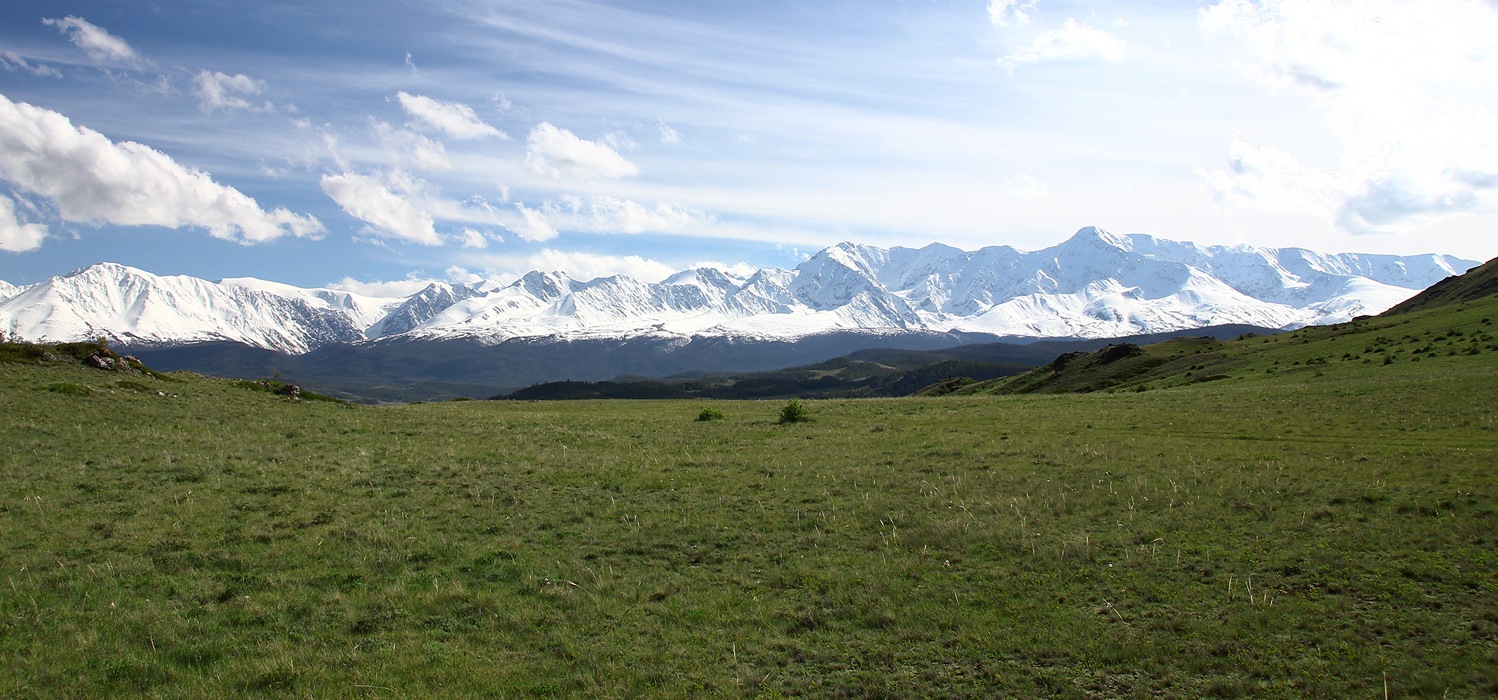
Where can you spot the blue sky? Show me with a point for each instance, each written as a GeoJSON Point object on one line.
{"type": "Point", "coordinates": [374, 144]}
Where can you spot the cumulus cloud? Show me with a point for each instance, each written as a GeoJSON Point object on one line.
{"type": "Point", "coordinates": [94, 180]}
{"type": "Point", "coordinates": [454, 119]}
{"type": "Point", "coordinates": [16, 237]}
{"type": "Point", "coordinates": [555, 152]}
{"type": "Point", "coordinates": [389, 214]}
{"type": "Point", "coordinates": [220, 91]}
{"type": "Point", "coordinates": [11, 61]}
{"type": "Point", "coordinates": [1409, 91]}
{"type": "Point", "coordinates": [1073, 42]}
{"type": "Point", "coordinates": [1007, 13]}
{"type": "Point", "coordinates": [101, 46]}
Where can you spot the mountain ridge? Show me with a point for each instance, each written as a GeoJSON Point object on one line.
{"type": "Point", "coordinates": [1095, 284]}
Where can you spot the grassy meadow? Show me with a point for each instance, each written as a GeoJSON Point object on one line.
{"type": "Point", "coordinates": [1319, 530]}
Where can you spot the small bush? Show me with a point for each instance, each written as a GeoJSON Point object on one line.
{"type": "Point", "coordinates": [708, 414]}
{"type": "Point", "coordinates": [69, 389]}
{"type": "Point", "coordinates": [794, 412]}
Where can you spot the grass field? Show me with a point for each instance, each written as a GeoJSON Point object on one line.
{"type": "Point", "coordinates": [1325, 529]}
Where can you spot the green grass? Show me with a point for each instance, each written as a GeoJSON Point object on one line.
{"type": "Point", "coordinates": [1288, 535]}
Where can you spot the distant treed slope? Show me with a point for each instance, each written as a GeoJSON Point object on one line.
{"type": "Point", "coordinates": [1094, 285]}
{"type": "Point", "coordinates": [865, 373]}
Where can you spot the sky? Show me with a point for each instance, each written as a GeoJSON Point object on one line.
{"type": "Point", "coordinates": [372, 145]}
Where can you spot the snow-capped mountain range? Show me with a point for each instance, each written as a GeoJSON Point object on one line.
{"type": "Point", "coordinates": [1094, 285]}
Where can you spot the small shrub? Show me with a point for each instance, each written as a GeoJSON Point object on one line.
{"type": "Point", "coordinates": [69, 389]}
{"type": "Point", "coordinates": [794, 412]}
{"type": "Point", "coordinates": [708, 414]}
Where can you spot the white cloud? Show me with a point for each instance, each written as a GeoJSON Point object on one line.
{"type": "Point", "coordinates": [1408, 90]}
{"type": "Point", "coordinates": [535, 224]}
{"type": "Point", "coordinates": [578, 266]}
{"type": "Point", "coordinates": [461, 275]}
{"type": "Point", "coordinates": [389, 214]}
{"type": "Point", "coordinates": [555, 152]}
{"type": "Point", "coordinates": [620, 141]}
{"type": "Point", "coordinates": [228, 92]}
{"type": "Point", "coordinates": [392, 288]}
{"type": "Point", "coordinates": [454, 119]}
{"type": "Point", "coordinates": [473, 238]}
{"type": "Point", "coordinates": [1386, 206]}
{"type": "Point", "coordinates": [94, 180]}
{"type": "Point", "coordinates": [412, 149]}
{"type": "Point", "coordinates": [1006, 13]}
{"type": "Point", "coordinates": [669, 135]}
{"type": "Point", "coordinates": [16, 237]}
{"type": "Point", "coordinates": [1073, 42]}
{"type": "Point", "coordinates": [100, 45]}
{"type": "Point", "coordinates": [11, 61]}
{"type": "Point", "coordinates": [1309, 44]}
{"type": "Point", "coordinates": [1267, 178]}
{"type": "Point", "coordinates": [1025, 187]}
{"type": "Point", "coordinates": [605, 214]}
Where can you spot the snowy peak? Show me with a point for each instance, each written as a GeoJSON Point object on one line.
{"type": "Point", "coordinates": [546, 286]}
{"type": "Point", "coordinates": [420, 308]}
{"type": "Point", "coordinates": [1093, 284]}
{"type": "Point", "coordinates": [8, 290]}
{"type": "Point", "coordinates": [363, 311]}
{"type": "Point", "coordinates": [131, 306]}
{"type": "Point", "coordinates": [1094, 238]}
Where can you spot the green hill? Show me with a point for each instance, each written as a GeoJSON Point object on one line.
{"type": "Point", "coordinates": [1452, 320]}
{"type": "Point", "coordinates": [1480, 282]}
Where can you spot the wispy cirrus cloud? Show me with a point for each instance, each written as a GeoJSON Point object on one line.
{"type": "Point", "coordinates": [669, 135]}
{"type": "Point", "coordinates": [454, 119]}
{"type": "Point", "coordinates": [581, 266]}
{"type": "Point", "coordinates": [1006, 13]}
{"type": "Point", "coordinates": [1073, 42]}
{"type": "Point", "coordinates": [11, 61]}
{"type": "Point", "coordinates": [535, 223]}
{"type": "Point", "coordinates": [101, 46]}
{"type": "Point", "coordinates": [94, 180]}
{"type": "Point", "coordinates": [219, 91]}
{"type": "Point", "coordinates": [608, 214]}
{"type": "Point", "coordinates": [409, 149]}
